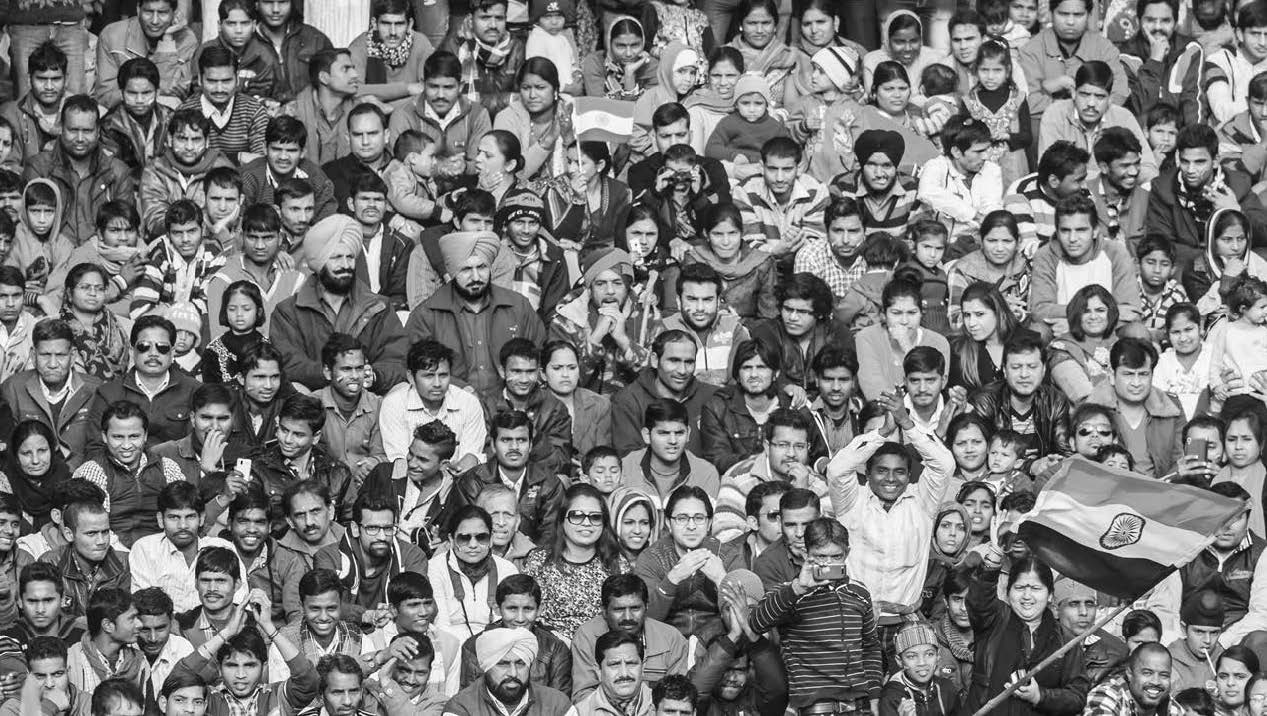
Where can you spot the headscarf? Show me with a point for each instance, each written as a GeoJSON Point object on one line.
{"type": "Point", "coordinates": [935, 552]}
{"type": "Point", "coordinates": [36, 495]}
{"type": "Point", "coordinates": [494, 645]}
{"type": "Point", "coordinates": [460, 246]}
{"type": "Point", "coordinates": [674, 55]}
{"type": "Point", "coordinates": [329, 234]}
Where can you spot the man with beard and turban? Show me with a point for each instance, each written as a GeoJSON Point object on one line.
{"type": "Point", "coordinates": [166, 559]}
{"type": "Point", "coordinates": [471, 314]}
{"type": "Point", "coordinates": [610, 329]}
{"type": "Point", "coordinates": [369, 555]}
{"type": "Point", "coordinates": [335, 302]}
{"type": "Point", "coordinates": [885, 194]}
{"type": "Point", "coordinates": [505, 656]}
{"type": "Point", "coordinates": [621, 689]}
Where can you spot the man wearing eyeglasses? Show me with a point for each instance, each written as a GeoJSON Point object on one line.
{"type": "Point", "coordinates": [784, 456]}
{"type": "Point", "coordinates": [162, 393]}
{"type": "Point", "coordinates": [369, 555]}
{"type": "Point", "coordinates": [537, 488]}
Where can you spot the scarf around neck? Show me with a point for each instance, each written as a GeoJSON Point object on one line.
{"type": "Point", "coordinates": [378, 50]}
{"type": "Point", "coordinates": [953, 638]}
{"type": "Point", "coordinates": [747, 263]}
{"type": "Point", "coordinates": [131, 665]}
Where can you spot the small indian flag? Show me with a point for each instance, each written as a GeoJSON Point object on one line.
{"type": "Point", "coordinates": [1118, 532]}
{"type": "Point", "coordinates": [598, 119]}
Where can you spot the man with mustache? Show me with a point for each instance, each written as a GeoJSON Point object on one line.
{"type": "Point", "coordinates": [341, 689]}
{"type": "Point", "coordinates": [1089, 112]}
{"type": "Point", "coordinates": [784, 457]}
{"type": "Point", "coordinates": [624, 600]}
{"type": "Point", "coordinates": [505, 656]}
{"type": "Point", "coordinates": [835, 410]}
{"type": "Point", "coordinates": [269, 568]}
{"type": "Point", "coordinates": [730, 422]}
{"type": "Point", "coordinates": [166, 559]}
{"type": "Point", "coordinates": [1061, 172]}
{"type": "Point", "coordinates": [218, 576]}
{"type": "Point", "coordinates": [283, 159]}
{"type": "Point", "coordinates": [351, 428]}
{"type": "Point", "coordinates": [620, 686]}
{"type": "Point", "coordinates": [371, 149]}
{"type": "Point", "coordinates": [717, 329]}
{"type": "Point", "coordinates": [420, 483]}
{"type": "Point", "coordinates": [369, 555]}
{"type": "Point", "coordinates": [538, 491]}
{"type": "Point", "coordinates": [403, 687]}
{"type": "Point", "coordinates": [327, 90]}
{"type": "Point", "coordinates": [334, 301]}
{"type": "Point", "coordinates": [1154, 50]}
{"type": "Point", "coordinates": [296, 203]}
{"type": "Point", "coordinates": [129, 475]}
{"type": "Point", "coordinates": [519, 364]}
{"type": "Point", "coordinates": [502, 504]}
{"type": "Point", "coordinates": [384, 259]}
{"type": "Point", "coordinates": [1076, 609]}
{"type": "Point", "coordinates": [741, 671]}
{"type": "Point", "coordinates": [1026, 403]}
{"type": "Point", "coordinates": [471, 312]}
{"type": "Point", "coordinates": [670, 375]}
{"type": "Point", "coordinates": [883, 195]}
{"type": "Point", "coordinates": [1142, 690]}
{"type": "Point", "coordinates": [240, 119]}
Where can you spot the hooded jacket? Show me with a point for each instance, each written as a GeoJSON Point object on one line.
{"type": "Point", "coordinates": [594, 65]}
{"type": "Point", "coordinates": [55, 250]}
{"type": "Point", "coordinates": [619, 502]}
{"type": "Point", "coordinates": [940, 563]}
{"type": "Point", "coordinates": [927, 55]}
{"type": "Point", "coordinates": [166, 180]}
{"type": "Point", "coordinates": [1049, 257]}
{"type": "Point", "coordinates": [629, 405]}
{"type": "Point", "coordinates": [1163, 434]}
{"type": "Point", "coordinates": [662, 92]}
{"type": "Point", "coordinates": [1206, 281]}
{"type": "Point", "coordinates": [107, 179]}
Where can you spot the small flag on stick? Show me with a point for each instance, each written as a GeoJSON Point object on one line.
{"type": "Point", "coordinates": [598, 119]}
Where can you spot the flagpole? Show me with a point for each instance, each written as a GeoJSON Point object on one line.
{"type": "Point", "coordinates": [1007, 693]}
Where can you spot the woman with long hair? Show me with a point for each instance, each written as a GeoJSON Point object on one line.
{"type": "Point", "coordinates": [1080, 360]}
{"type": "Point", "coordinates": [34, 469]}
{"type": "Point", "coordinates": [572, 570]}
{"type": "Point", "coordinates": [1014, 634]}
{"type": "Point", "coordinates": [541, 120]}
{"type": "Point", "coordinates": [498, 161]}
{"type": "Point", "coordinates": [976, 357]}
{"type": "Point", "coordinates": [101, 347]}
{"type": "Point", "coordinates": [591, 413]}
{"type": "Point", "coordinates": [748, 274]}
{"type": "Point", "coordinates": [1233, 670]}
{"type": "Point", "coordinates": [586, 207]}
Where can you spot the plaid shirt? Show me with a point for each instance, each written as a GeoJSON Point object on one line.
{"type": "Point", "coordinates": [816, 257]}
{"type": "Point", "coordinates": [170, 279]}
{"type": "Point", "coordinates": [1113, 698]}
{"type": "Point", "coordinates": [1034, 212]}
{"type": "Point", "coordinates": [765, 220]}
{"type": "Point", "coordinates": [1153, 311]}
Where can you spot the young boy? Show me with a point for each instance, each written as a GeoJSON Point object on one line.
{"type": "Point", "coordinates": [602, 469]}
{"type": "Point", "coordinates": [188, 324]}
{"type": "Point", "coordinates": [518, 604]}
{"type": "Point", "coordinates": [1158, 288]}
{"type": "Point", "coordinates": [552, 37]}
{"type": "Point", "coordinates": [1201, 621]}
{"type": "Point", "coordinates": [259, 71]}
{"type": "Point", "coordinates": [412, 607]}
{"type": "Point", "coordinates": [1115, 456]}
{"type": "Point", "coordinates": [1162, 128]}
{"type": "Point", "coordinates": [411, 181]}
{"type": "Point", "coordinates": [179, 264]}
{"type": "Point", "coordinates": [1003, 462]}
{"type": "Point", "coordinates": [997, 15]}
{"type": "Point", "coordinates": [860, 307]}
{"type": "Point", "coordinates": [917, 689]}
{"type": "Point", "coordinates": [51, 687]}
{"type": "Point", "coordinates": [928, 239]}
{"type": "Point", "coordinates": [739, 136]}
{"type": "Point", "coordinates": [940, 85]}
{"type": "Point", "coordinates": [39, 246]}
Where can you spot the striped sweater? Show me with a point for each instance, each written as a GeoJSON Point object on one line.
{"type": "Point", "coordinates": [1034, 211]}
{"type": "Point", "coordinates": [245, 131]}
{"type": "Point", "coordinates": [730, 517]}
{"type": "Point", "coordinates": [830, 647]}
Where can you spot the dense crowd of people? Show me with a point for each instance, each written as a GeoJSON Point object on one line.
{"type": "Point", "coordinates": [348, 365]}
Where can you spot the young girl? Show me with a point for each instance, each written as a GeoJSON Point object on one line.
{"type": "Point", "coordinates": [1000, 105]}
{"type": "Point", "coordinates": [833, 77]}
{"type": "Point", "coordinates": [1227, 255]}
{"type": "Point", "coordinates": [997, 15]}
{"type": "Point", "coordinates": [655, 260]}
{"type": "Point", "coordinates": [998, 261]}
{"type": "Point", "coordinates": [1239, 345]}
{"type": "Point", "coordinates": [1243, 445]}
{"type": "Point", "coordinates": [1183, 370]}
{"type": "Point", "coordinates": [242, 313]}
{"type": "Point", "coordinates": [748, 274]}
{"type": "Point", "coordinates": [624, 67]}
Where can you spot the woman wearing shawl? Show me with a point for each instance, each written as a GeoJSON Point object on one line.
{"type": "Point", "coordinates": [749, 274]}
{"type": "Point", "coordinates": [541, 121]}
{"type": "Point", "coordinates": [101, 346]}
{"type": "Point", "coordinates": [677, 76]}
{"type": "Point", "coordinates": [763, 52]}
{"type": "Point", "coordinates": [950, 542]}
{"type": "Point", "coordinates": [623, 69]}
{"type": "Point", "coordinates": [902, 36]}
{"type": "Point", "coordinates": [716, 99]}
{"type": "Point", "coordinates": [34, 469]}
{"type": "Point", "coordinates": [655, 262]}
{"type": "Point", "coordinates": [1227, 255]}
{"type": "Point", "coordinates": [889, 107]}
{"type": "Point", "coordinates": [633, 517]}
{"type": "Point", "coordinates": [390, 60]}
{"type": "Point", "coordinates": [587, 205]}
{"type": "Point", "coordinates": [820, 29]}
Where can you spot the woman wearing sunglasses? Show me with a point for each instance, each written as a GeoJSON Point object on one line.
{"type": "Point", "coordinates": [683, 570]}
{"type": "Point", "coordinates": [571, 571]}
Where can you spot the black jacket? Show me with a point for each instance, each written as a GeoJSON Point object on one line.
{"type": "Point", "coordinates": [1051, 414]}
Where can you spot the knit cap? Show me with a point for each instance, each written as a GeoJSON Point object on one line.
{"type": "Point", "coordinates": [185, 317]}
{"type": "Point", "coordinates": [518, 204]}
{"type": "Point", "coordinates": [566, 8]}
{"type": "Point", "coordinates": [1203, 609]}
{"type": "Point", "coordinates": [752, 84]}
{"type": "Point", "coordinates": [840, 64]}
{"type": "Point", "coordinates": [913, 634]}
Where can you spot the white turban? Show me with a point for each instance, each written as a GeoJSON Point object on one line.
{"type": "Point", "coordinates": [327, 235]}
{"type": "Point", "coordinates": [494, 645]}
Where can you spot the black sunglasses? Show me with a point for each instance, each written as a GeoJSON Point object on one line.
{"type": "Point", "coordinates": [162, 348]}
{"type": "Point", "coordinates": [577, 517]}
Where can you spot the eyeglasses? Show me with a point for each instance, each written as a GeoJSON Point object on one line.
{"type": "Point", "coordinates": [378, 529]}
{"type": "Point", "coordinates": [482, 538]}
{"type": "Point", "coordinates": [684, 520]}
{"type": "Point", "coordinates": [1088, 432]}
{"type": "Point", "coordinates": [773, 515]}
{"type": "Point", "coordinates": [90, 288]}
{"type": "Point", "coordinates": [576, 517]}
{"type": "Point", "coordinates": [162, 348]}
{"type": "Point", "coordinates": [785, 445]}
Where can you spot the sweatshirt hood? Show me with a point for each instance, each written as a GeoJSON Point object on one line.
{"type": "Point", "coordinates": [59, 203]}
{"type": "Point", "coordinates": [670, 58]}
{"type": "Point", "coordinates": [947, 508]}
{"type": "Point", "coordinates": [622, 499]}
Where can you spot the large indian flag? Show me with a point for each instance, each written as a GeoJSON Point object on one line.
{"type": "Point", "coordinates": [1118, 532]}
{"type": "Point", "coordinates": [598, 119]}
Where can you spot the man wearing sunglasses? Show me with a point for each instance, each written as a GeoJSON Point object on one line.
{"type": "Point", "coordinates": [762, 526]}
{"type": "Point", "coordinates": [369, 555]}
{"type": "Point", "coordinates": [539, 491]}
{"type": "Point", "coordinates": [162, 393]}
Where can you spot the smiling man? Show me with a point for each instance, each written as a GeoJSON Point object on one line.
{"type": "Point", "coordinates": [166, 559]}
{"type": "Point", "coordinates": [1142, 690]}
{"type": "Point", "coordinates": [884, 196]}
{"type": "Point", "coordinates": [285, 143]}
{"type": "Point", "coordinates": [296, 457]}
{"type": "Point", "coordinates": [269, 568]}
{"type": "Point", "coordinates": [670, 374]}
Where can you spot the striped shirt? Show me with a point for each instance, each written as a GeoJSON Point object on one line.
{"type": "Point", "coordinates": [765, 219]}
{"type": "Point", "coordinates": [170, 279]}
{"type": "Point", "coordinates": [244, 131]}
{"type": "Point", "coordinates": [889, 213]}
{"type": "Point", "coordinates": [730, 518]}
{"type": "Point", "coordinates": [830, 647]}
{"type": "Point", "coordinates": [1035, 213]}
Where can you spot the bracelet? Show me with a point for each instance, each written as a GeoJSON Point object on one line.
{"type": "Point", "coordinates": [272, 636]}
